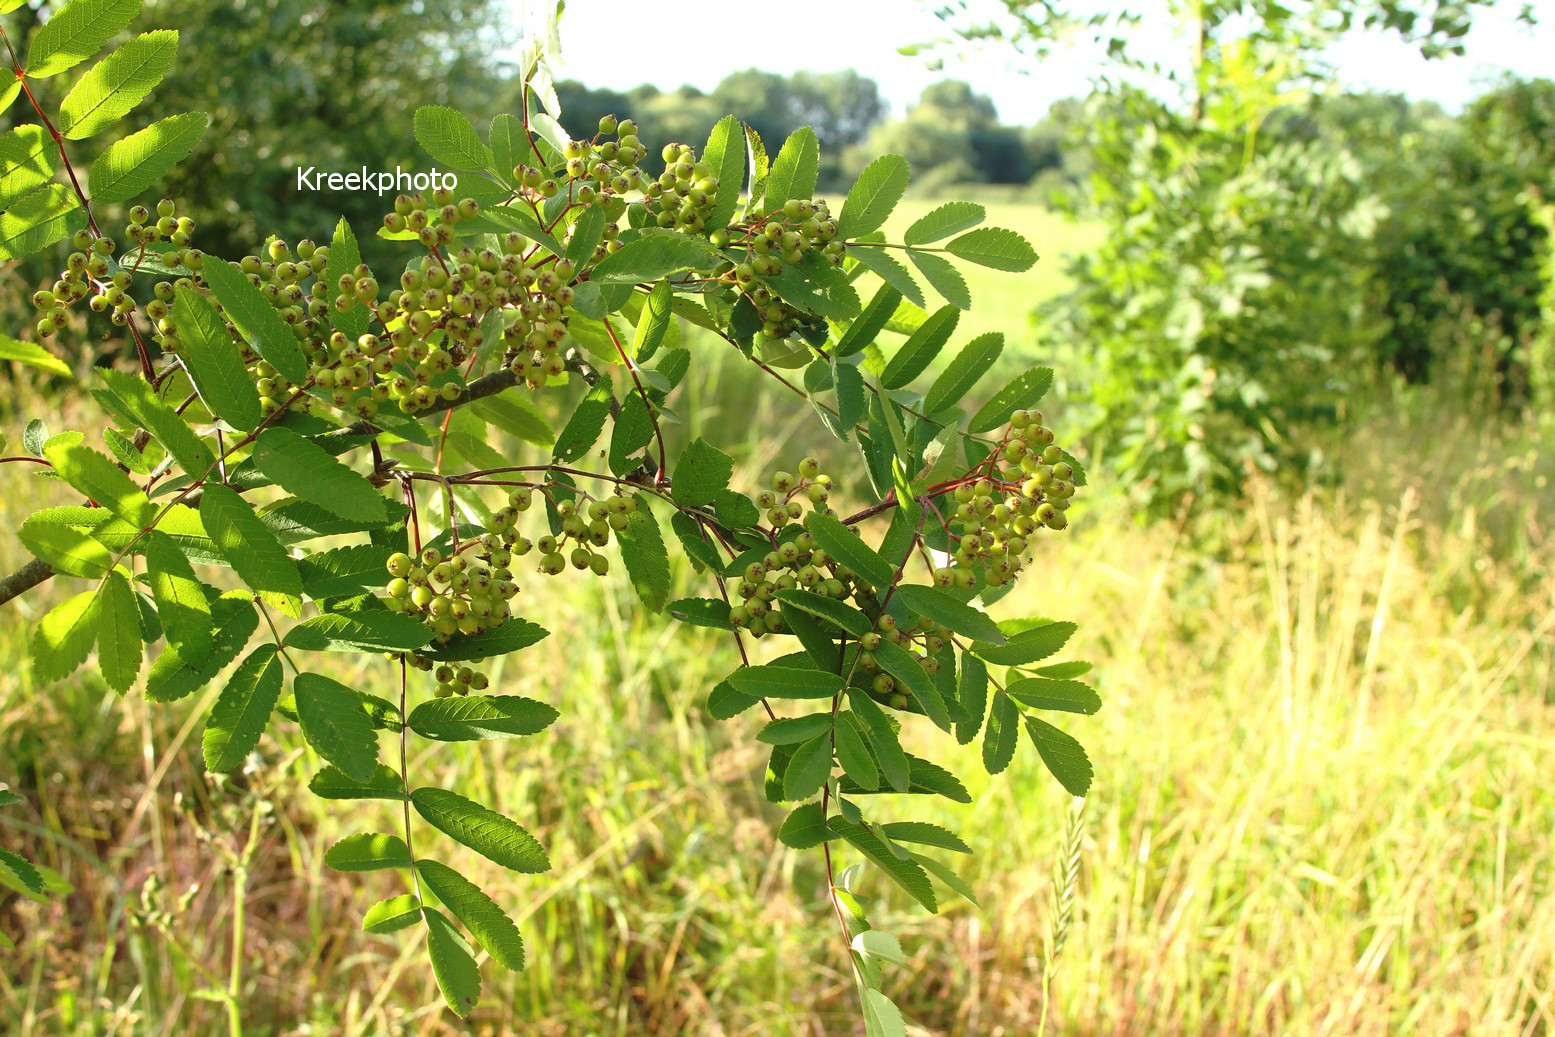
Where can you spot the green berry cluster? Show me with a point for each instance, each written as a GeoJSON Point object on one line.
{"type": "Point", "coordinates": [1024, 485]}
{"type": "Point", "coordinates": [789, 236]}
{"type": "Point", "coordinates": [587, 528]}
{"type": "Point", "coordinates": [920, 637]}
{"type": "Point", "coordinates": [91, 272]}
{"type": "Point", "coordinates": [433, 222]}
{"type": "Point", "coordinates": [683, 196]}
{"type": "Point", "coordinates": [536, 341]}
{"type": "Point", "coordinates": [466, 592]}
{"type": "Point", "coordinates": [793, 563]}
{"type": "Point", "coordinates": [600, 171]}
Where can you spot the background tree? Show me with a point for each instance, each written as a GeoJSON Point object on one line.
{"type": "Point", "coordinates": [1226, 310]}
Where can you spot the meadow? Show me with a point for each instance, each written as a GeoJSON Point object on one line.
{"type": "Point", "coordinates": [1322, 800]}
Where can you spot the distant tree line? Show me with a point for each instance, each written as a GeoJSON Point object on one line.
{"type": "Point", "coordinates": [951, 135]}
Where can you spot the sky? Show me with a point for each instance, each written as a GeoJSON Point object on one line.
{"type": "Point", "coordinates": [610, 43]}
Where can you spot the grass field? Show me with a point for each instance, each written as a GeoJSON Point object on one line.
{"type": "Point", "coordinates": [1322, 803]}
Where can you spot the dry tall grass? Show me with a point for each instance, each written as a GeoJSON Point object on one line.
{"type": "Point", "coordinates": [1323, 807]}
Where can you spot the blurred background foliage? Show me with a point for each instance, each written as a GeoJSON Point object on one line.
{"type": "Point", "coordinates": [1306, 337]}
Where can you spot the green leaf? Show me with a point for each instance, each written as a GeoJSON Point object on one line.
{"type": "Point", "coordinates": [257, 321]}
{"type": "Point", "coordinates": [805, 827]}
{"type": "Point", "coordinates": [517, 415]}
{"type": "Point", "coordinates": [241, 713]}
{"type": "Point", "coordinates": [654, 322]}
{"type": "Point", "coordinates": [949, 611]}
{"type": "Point", "coordinates": [854, 756]}
{"type": "Point", "coordinates": [943, 277]}
{"type": "Point", "coordinates": [452, 964]}
{"type": "Point", "coordinates": [392, 915]}
{"type": "Point", "coordinates": [344, 255]}
{"type": "Point", "coordinates": [873, 196]}
{"type": "Point", "coordinates": [586, 234]}
{"type": "Point", "coordinates": [182, 606]}
{"type": "Point", "coordinates": [700, 473]}
{"type": "Point", "coordinates": [817, 286]}
{"type": "Point", "coordinates": [890, 270]}
{"type": "Point", "coordinates": [1064, 756]}
{"type": "Point", "coordinates": [343, 571]}
{"type": "Point", "coordinates": [136, 162]}
{"type": "Point", "coordinates": [843, 616]}
{"type": "Point", "coordinates": [26, 879]}
{"type": "Point", "coordinates": [1027, 646]}
{"type": "Point", "coordinates": [994, 247]}
{"type": "Point", "coordinates": [793, 730]}
{"type": "Point", "coordinates": [879, 944]}
{"type": "Point", "coordinates": [808, 769]}
{"type": "Point", "coordinates": [64, 547]}
{"type": "Point", "coordinates": [647, 561]}
{"type": "Point", "coordinates": [368, 851]}
{"type": "Point", "coordinates": [491, 928]}
{"type": "Point", "coordinates": [902, 665]}
{"type": "Point", "coordinates": [100, 480]}
{"type": "Point", "coordinates": [509, 143]}
{"type": "Point", "coordinates": [1003, 731]}
{"type": "Point", "coordinates": [1062, 695]}
{"type": "Point", "coordinates": [512, 636]}
{"type": "Point", "coordinates": [212, 361]}
{"type": "Point", "coordinates": [882, 736]}
{"type": "Point", "coordinates": [448, 136]}
{"type": "Point", "coordinates": [38, 219]}
{"type": "Point", "coordinates": [587, 421]}
{"type": "Point", "coordinates": [920, 349]}
{"type": "Point", "coordinates": [173, 675]}
{"type": "Point", "coordinates": [760, 167]}
{"type": "Point", "coordinates": [304, 468]}
{"type": "Point", "coordinates": [333, 783]}
{"type": "Point", "coordinates": [905, 873]}
{"type": "Point", "coordinates": [953, 881]}
{"type": "Point", "coordinates": [701, 612]}
{"type": "Point", "coordinates": [251, 549]}
{"type": "Point", "coordinates": [850, 396]}
{"type": "Point", "coordinates": [485, 831]}
{"type": "Point", "coordinates": [119, 444]}
{"type": "Point", "coordinates": [76, 32]}
{"type": "Point", "coordinates": [27, 156]}
{"type": "Point", "coordinates": [925, 834]}
{"type": "Point", "coordinates": [158, 418]}
{"type": "Point", "coordinates": [1019, 394]}
{"type": "Point", "coordinates": [373, 631]}
{"type": "Point", "coordinates": [31, 353]}
{"type": "Point", "coordinates": [869, 324]}
{"type": "Point", "coordinates": [725, 154]}
{"type": "Point", "coordinates": [476, 717]}
{"type": "Point", "coordinates": [785, 682]}
{"type": "Point", "coordinates": [651, 257]}
{"type": "Point", "coordinates": [976, 359]}
{"type": "Point", "coordinates": [723, 702]}
{"type": "Point", "coordinates": [64, 636]}
{"type": "Point", "coordinates": [972, 694]}
{"type": "Point", "coordinates": [116, 84]}
{"type": "Point", "coordinates": [118, 634]}
{"type": "Point", "coordinates": [845, 546]}
{"type": "Point", "coordinates": [336, 725]}
{"type": "Point", "coordinates": [881, 1016]}
{"type": "Point", "coordinates": [943, 221]}
{"type": "Point", "coordinates": [795, 169]}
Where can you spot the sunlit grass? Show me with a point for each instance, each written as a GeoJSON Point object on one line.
{"type": "Point", "coordinates": [1322, 806]}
